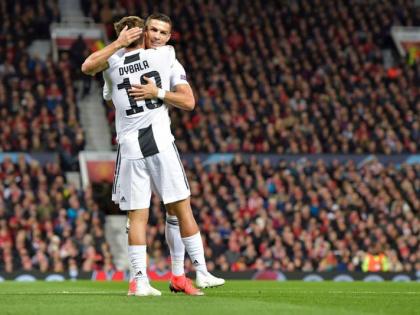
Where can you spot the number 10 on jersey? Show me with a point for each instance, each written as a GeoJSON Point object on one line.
{"type": "Point", "coordinates": [150, 103]}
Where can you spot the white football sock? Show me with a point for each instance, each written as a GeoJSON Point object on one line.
{"type": "Point", "coordinates": [195, 250]}
{"type": "Point", "coordinates": [138, 259]}
{"type": "Point", "coordinates": [176, 246]}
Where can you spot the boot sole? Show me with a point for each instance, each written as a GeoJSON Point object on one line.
{"type": "Point", "coordinates": [174, 290]}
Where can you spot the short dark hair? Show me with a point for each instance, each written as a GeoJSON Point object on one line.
{"type": "Point", "coordinates": [159, 16]}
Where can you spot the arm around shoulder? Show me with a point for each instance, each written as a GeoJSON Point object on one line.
{"type": "Point", "coordinates": [187, 91]}
{"type": "Point", "coordinates": [98, 61]}
{"type": "Point", "coordinates": [182, 97]}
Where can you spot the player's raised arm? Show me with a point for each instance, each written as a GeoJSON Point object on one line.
{"type": "Point", "coordinates": [97, 61]}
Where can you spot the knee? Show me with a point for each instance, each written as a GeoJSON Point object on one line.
{"type": "Point", "coordinates": [178, 207]}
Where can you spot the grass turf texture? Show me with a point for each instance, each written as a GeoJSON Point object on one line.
{"type": "Point", "coordinates": [235, 297]}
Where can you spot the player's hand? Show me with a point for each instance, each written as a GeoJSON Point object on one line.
{"type": "Point", "coordinates": [144, 91]}
{"type": "Point", "coordinates": [127, 36]}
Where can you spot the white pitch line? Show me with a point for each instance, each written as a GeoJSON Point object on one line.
{"type": "Point", "coordinates": [91, 292]}
{"type": "Point", "coordinates": [374, 292]}
{"type": "Point", "coordinates": [65, 292]}
{"type": "Point", "coordinates": [320, 292]}
{"type": "Point", "coordinates": [223, 292]}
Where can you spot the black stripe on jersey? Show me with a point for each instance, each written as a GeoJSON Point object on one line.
{"type": "Point", "coordinates": [147, 142]}
{"type": "Point", "coordinates": [132, 58]}
{"type": "Point", "coordinates": [117, 170]}
{"type": "Point", "coordinates": [182, 166]}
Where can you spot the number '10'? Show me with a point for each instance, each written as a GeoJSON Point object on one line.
{"type": "Point", "coordinates": [150, 104]}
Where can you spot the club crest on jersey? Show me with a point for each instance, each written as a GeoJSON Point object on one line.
{"type": "Point", "coordinates": [139, 66]}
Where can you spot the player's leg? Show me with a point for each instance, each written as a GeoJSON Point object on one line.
{"type": "Point", "coordinates": [172, 185]}
{"type": "Point", "coordinates": [172, 234]}
{"type": "Point", "coordinates": [191, 238]}
{"type": "Point", "coordinates": [179, 282]}
{"type": "Point", "coordinates": [115, 184]}
{"type": "Point", "coordinates": [175, 244]}
{"type": "Point", "coordinates": [169, 183]}
{"type": "Point", "coordinates": [137, 251]}
{"type": "Point", "coordinates": [135, 192]}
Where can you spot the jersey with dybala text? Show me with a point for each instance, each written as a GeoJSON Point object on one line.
{"type": "Point", "coordinates": [143, 127]}
{"type": "Point", "coordinates": [178, 76]}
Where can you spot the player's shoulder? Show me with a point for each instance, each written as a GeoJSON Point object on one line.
{"type": "Point", "coordinates": [164, 48]}
{"type": "Point", "coordinates": [178, 65]}
{"type": "Point", "coordinates": [166, 53]}
{"type": "Point", "coordinates": [119, 53]}
{"type": "Point", "coordinates": [167, 49]}
{"type": "Point", "coordinates": [116, 57]}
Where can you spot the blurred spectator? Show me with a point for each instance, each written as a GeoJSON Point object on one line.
{"type": "Point", "coordinates": [79, 52]}
{"type": "Point", "coordinates": [375, 262]}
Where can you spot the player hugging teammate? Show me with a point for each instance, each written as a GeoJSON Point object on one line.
{"type": "Point", "coordinates": [142, 83]}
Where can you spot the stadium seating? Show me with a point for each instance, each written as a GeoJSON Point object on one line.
{"type": "Point", "coordinates": [38, 109]}
{"type": "Point", "coordinates": [303, 216]}
{"type": "Point", "coordinates": [269, 76]}
{"type": "Point", "coordinates": [309, 77]}
{"type": "Point", "coordinates": [290, 217]}
{"type": "Point", "coordinates": [46, 224]}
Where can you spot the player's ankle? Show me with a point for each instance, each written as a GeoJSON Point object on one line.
{"type": "Point", "coordinates": [203, 273]}
{"type": "Point", "coordinates": [142, 280]}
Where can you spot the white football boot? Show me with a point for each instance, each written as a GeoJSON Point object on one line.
{"type": "Point", "coordinates": [207, 280]}
{"type": "Point", "coordinates": [143, 288]}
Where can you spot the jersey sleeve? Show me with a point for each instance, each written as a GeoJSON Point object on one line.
{"type": "Point", "coordinates": [113, 60]}
{"type": "Point", "coordinates": [178, 75]}
{"type": "Point", "coordinates": [170, 54]}
{"type": "Point", "coordinates": [107, 89]}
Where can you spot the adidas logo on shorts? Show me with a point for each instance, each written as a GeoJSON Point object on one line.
{"type": "Point", "coordinates": [122, 199]}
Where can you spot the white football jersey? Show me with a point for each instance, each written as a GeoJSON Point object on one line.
{"type": "Point", "coordinates": [178, 76]}
{"type": "Point", "coordinates": [143, 127]}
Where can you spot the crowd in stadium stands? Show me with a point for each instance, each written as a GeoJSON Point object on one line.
{"type": "Point", "coordinates": [302, 216]}
{"type": "Point", "coordinates": [46, 224]}
{"type": "Point", "coordinates": [37, 97]}
{"type": "Point", "coordinates": [269, 76]}
{"type": "Point", "coordinates": [294, 216]}
{"type": "Point", "coordinates": [289, 77]}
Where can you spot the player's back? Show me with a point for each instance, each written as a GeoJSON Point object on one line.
{"type": "Point", "coordinates": [141, 121]}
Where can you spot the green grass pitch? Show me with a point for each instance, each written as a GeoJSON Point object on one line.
{"type": "Point", "coordinates": [236, 297]}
